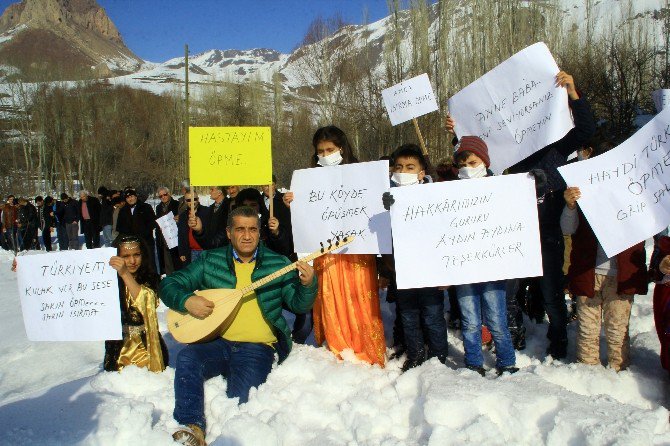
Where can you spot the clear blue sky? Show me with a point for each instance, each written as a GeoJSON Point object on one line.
{"type": "Point", "coordinates": [156, 30]}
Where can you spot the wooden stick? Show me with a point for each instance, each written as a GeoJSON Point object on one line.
{"type": "Point", "coordinates": [271, 195]}
{"type": "Point", "coordinates": [418, 133]}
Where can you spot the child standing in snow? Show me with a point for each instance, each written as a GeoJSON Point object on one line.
{"type": "Point", "coordinates": [485, 300]}
{"type": "Point", "coordinates": [421, 310]}
{"type": "Point", "coordinates": [604, 286]}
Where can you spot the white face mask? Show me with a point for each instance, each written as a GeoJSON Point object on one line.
{"type": "Point", "coordinates": [466, 173]}
{"type": "Point", "coordinates": [581, 156]}
{"type": "Point", "coordinates": [334, 159]}
{"type": "Point", "coordinates": [405, 179]}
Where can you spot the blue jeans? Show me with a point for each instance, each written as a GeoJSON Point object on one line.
{"type": "Point", "coordinates": [422, 313]}
{"type": "Point", "coordinates": [243, 364]}
{"type": "Point", "coordinates": [485, 300]}
{"type": "Point", "coordinates": [107, 235]}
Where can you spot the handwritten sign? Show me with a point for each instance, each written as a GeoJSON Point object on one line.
{"type": "Point", "coordinates": [169, 229]}
{"type": "Point", "coordinates": [661, 99]}
{"type": "Point", "coordinates": [626, 191]}
{"type": "Point", "coordinates": [409, 99]}
{"type": "Point", "coordinates": [339, 201]}
{"type": "Point", "coordinates": [70, 295]}
{"type": "Point", "coordinates": [516, 107]}
{"type": "Point", "coordinates": [466, 231]}
{"type": "Point", "coordinates": [230, 155]}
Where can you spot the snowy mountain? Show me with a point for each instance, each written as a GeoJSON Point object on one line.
{"type": "Point", "coordinates": [261, 64]}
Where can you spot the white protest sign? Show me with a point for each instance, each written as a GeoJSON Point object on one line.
{"type": "Point", "coordinates": [409, 99]}
{"type": "Point", "coordinates": [661, 99]}
{"type": "Point", "coordinates": [626, 191]}
{"type": "Point", "coordinates": [169, 229]}
{"type": "Point", "coordinates": [70, 295]}
{"type": "Point", "coordinates": [516, 107]}
{"type": "Point", "coordinates": [466, 231]}
{"type": "Point", "coordinates": [339, 201]}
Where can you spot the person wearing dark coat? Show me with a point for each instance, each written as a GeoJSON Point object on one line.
{"type": "Point", "coordinates": [71, 221]}
{"type": "Point", "coordinates": [273, 233]}
{"type": "Point", "coordinates": [550, 207]}
{"type": "Point", "coordinates": [49, 221]}
{"type": "Point", "coordinates": [28, 222]}
{"type": "Point", "coordinates": [61, 229]}
{"type": "Point", "coordinates": [106, 214]}
{"type": "Point", "coordinates": [282, 213]}
{"type": "Point", "coordinates": [168, 259]}
{"type": "Point", "coordinates": [89, 210]}
{"type": "Point", "coordinates": [211, 233]}
{"type": "Point", "coordinates": [138, 218]}
{"type": "Point", "coordinates": [189, 249]}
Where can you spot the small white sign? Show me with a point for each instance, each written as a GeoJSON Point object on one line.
{"type": "Point", "coordinates": [661, 99]}
{"type": "Point", "coordinates": [70, 295]}
{"type": "Point", "coordinates": [516, 108]}
{"type": "Point", "coordinates": [169, 229]}
{"type": "Point", "coordinates": [340, 201]}
{"type": "Point", "coordinates": [466, 231]}
{"type": "Point", "coordinates": [626, 191]}
{"type": "Point", "coordinates": [409, 99]}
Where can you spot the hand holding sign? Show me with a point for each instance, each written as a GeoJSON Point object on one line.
{"type": "Point", "coordinates": [518, 107]}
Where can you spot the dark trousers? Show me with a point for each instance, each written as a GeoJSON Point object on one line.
{"type": "Point", "coordinates": [11, 239]}
{"type": "Point", "coordinates": [91, 234]}
{"type": "Point", "coordinates": [243, 364]}
{"type": "Point", "coordinates": [302, 327]}
{"type": "Point", "coordinates": [46, 238]}
{"type": "Point", "coordinates": [61, 233]}
{"type": "Point", "coordinates": [422, 310]}
{"type": "Point", "coordinates": [551, 285]}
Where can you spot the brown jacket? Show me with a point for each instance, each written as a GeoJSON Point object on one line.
{"type": "Point", "coordinates": [631, 264]}
{"type": "Point", "coordinates": [9, 215]}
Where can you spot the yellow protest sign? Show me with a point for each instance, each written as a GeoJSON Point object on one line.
{"type": "Point", "coordinates": [230, 155]}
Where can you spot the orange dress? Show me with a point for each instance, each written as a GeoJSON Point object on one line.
{"type": "Point", "coordinates": [346, 310]}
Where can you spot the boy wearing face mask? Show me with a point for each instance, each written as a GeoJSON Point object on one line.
{"type": "Point", "coordinates": [420, 310]}
{"type": "Point", "coordinates": [485, 300]}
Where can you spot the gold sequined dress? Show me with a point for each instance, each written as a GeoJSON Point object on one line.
{"type": "Point", "coordinates": [142, 344]}
{"type": "Point", "coordinates": [346, 311]}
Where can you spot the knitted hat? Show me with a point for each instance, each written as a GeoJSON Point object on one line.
{"type": "Point", "coordinates": [475, 145]}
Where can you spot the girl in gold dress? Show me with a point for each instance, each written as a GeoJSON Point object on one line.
{"type": "Point", "coordinates": [346, 312]}
{"type": "Point", "coordinates": [142, 344]}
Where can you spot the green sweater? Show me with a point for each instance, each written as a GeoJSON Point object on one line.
{"type": "Point", "coordinates": [215, 269]}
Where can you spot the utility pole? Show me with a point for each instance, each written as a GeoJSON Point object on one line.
{"type": "Point", "coordinates": [187, 117]}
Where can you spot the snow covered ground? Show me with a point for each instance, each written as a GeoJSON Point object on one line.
{"type": "Point", "coordinates": [56, 393]}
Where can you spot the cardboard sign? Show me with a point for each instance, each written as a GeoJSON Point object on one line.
{"type": "Point", "coordinates": [516, 108]}
{"type": "Point", "coordinates": [230, 155]}
{"type": "Point", "coordinates": [339, 201]}
{"type": "Point", "coordinates": [70, 295]}
{"type": "Point", "coordinates": [409, 99]}
{"type": "Point", "coordinates": [466, 231]}
{"type": "Point", "coordinates": [626, 191]}
{"type": "Point", "coordinates": [169, 229]}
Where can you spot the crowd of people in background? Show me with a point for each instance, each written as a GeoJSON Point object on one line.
{"type": "Point", "coordinates": [346, 312]}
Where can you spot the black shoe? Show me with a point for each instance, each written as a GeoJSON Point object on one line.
{"type": "Point", "coordinates": [558, 350]}
{"type": "Point", "coordinates": [411, 363]}
{"type": "Point", "coordinates": [480, 370]}
{"type": "Point", "coordinates": [398, 351]}
{"type": "Point", "coordinates": [510, 369]}
{"type": "Point", "coordinates": [519, 342]}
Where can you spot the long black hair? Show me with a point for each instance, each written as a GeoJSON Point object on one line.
{"type": "Point", "coordinates": [337, 137]}
{"type": "Point", "coordinates": [146, 273]}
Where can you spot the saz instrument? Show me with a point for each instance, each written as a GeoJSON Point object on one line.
{"type": "Point", "coordinates": [188, 329]}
